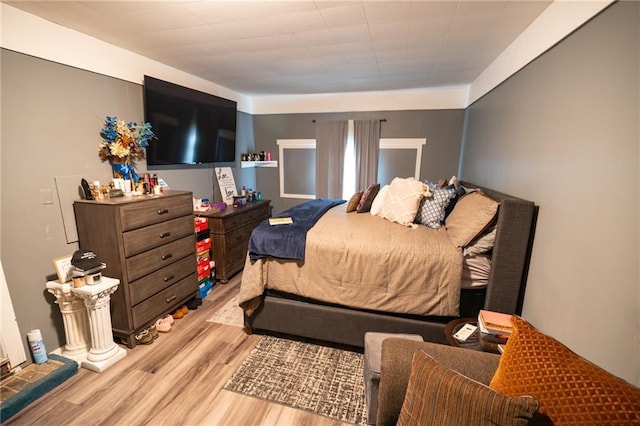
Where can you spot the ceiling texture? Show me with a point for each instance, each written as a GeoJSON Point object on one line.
{"type": "Point", "coordinates": [306, 47]}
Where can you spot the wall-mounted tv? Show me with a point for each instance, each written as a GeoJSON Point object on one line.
{"type": "Point", "coordinates": [192, 127]}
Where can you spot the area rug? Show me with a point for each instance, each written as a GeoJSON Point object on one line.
{"type": "Point", "coordinates": [230, 314]}
{"type": "Point", "coordinates": [32, 382]}
{"type": "Point", "coordinates": [322, 380]}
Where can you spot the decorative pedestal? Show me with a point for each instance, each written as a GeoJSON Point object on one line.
{"type": "Point", "coordinates": [76, 322]}
{"type": "Point", "coordinates": [104, 352]}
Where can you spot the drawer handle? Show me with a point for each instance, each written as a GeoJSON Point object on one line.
{"type": "Point", "coordinates": [165, 234]}
{"type": "Point", "coordinates": [167, 256]}
{"type": "Point", "coordinates": [171, 299]}
{"type": "Point", "coordinates": [163, 211]}
{"type": "Point", "coordinates": [168, 278]}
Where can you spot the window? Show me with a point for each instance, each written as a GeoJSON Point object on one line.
{"type": "Point", "coordinates": [398, 157]}
{"type": "Point", "coordinates": [297, 168]}
{"type": "Point", "coordinates": [349, 172]}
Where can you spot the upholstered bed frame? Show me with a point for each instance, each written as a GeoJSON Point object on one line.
{"type": "Point", "coordinates": [337, 324]}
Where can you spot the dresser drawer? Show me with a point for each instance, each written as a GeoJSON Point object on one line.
{"type": "Point", "coordinates": [149, 285]}
{"type": "Point", "coordinates": [261, 212]}
{"type": "Point", "coordinates": [156, 306]}
{"type": "Point", "coordinates": [144, 263]}
{"type": "Point", "coordinates": [238, 237]}
{"type": "Point", "coordinates": [156, 235]}
{"type": "Point", "coordinates": [233, 222]}
{"type": "Point", "coordinates": [235, 258]}
{"type": "Point", "coordinates": [139, 214]}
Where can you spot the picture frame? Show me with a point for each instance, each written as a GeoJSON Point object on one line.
{"type": "Point", "coordinates": [63, 268]}
{"type": "Point", "coordinates": [227, 184]}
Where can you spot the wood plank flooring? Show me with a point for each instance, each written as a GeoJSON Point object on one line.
{"type": "Point", "coordinates": [177, 380]}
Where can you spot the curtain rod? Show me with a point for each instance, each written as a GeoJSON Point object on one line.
{"type": "Point", "coordinates": [381, 120]}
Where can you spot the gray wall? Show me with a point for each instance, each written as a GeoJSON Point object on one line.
{"type": "Point", "coordinates": [51, 118]}
{"type": "Point", "coordinates": [564, 132]}
{"type": "Point", "coordinates": [441, 128]}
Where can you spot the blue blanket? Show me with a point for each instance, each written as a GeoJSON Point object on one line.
{"type": "Point", "coordinates": [288, 241]}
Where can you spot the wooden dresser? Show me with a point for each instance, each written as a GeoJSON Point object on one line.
{"type": "Point", "coordinates": [148, 243]}
{"type": "Point", "coordinates": [230, 231]}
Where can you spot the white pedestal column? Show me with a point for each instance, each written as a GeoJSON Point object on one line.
{"type": "Point", "coordinates": [76, 322]}
{"type": "Point", "coordinates": [104, 352]}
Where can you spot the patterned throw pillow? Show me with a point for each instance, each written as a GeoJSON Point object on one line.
{"type": "Point", "coordinates": [431, 209]}
{"type": "Point", "coordinates": [570, 389]}
{"type": "Point", "coordinates": [437, 395]}
{"type": "Point", "coordinates": [401, 202]}
{"type": "Point", "coordinates": [367, 198]}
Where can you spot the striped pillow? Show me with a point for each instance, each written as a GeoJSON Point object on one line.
{"type": "Point", "coordinates": [437, 395]}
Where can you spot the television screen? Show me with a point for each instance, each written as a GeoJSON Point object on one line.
{"type": "Point", "coordinates": [192, 127]}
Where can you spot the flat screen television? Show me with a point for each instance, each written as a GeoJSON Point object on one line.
{"type": "Point", "coordinates": [191, 127]}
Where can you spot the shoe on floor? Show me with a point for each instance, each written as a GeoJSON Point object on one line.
{"type": "Point", "coordinates": [144, 337]}
{"type": "Point", "coordinates": [153, 331]}
{"type": "Point", "coordinates": [194, 303]}
{"type": "Point", "coordinates": [163, 325]}
{"type": "Point", "coordinates": [169, 318]}
{"type": "Point", "coordinates": [180, 312]}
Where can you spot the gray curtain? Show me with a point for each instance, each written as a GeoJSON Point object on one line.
{"type": "Point", "coordinates": [331, 142]}
{"type": "Point", "coordinates": [367, 147]}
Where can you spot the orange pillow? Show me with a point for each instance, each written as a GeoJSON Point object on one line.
{"type": "Point", "coordinates": [570, 389]}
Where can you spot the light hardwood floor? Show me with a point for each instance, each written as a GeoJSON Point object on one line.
{"type": "Point", "coordinates": [177, 380]}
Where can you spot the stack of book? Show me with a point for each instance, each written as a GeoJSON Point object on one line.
{"type": "Point", "coordinates": [495, 326]}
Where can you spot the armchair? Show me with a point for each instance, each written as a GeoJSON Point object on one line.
{"type": "Point", "coordinates": [395, 370]}
{"type": "Point", "coordinates": [536, 380]}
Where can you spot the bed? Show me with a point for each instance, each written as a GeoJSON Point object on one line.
{"type": "Point", "coordinates": [400, 278]}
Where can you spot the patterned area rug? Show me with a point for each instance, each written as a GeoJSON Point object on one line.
{"type": "Point", "coordinates": [322, 380]}
{"type": "Point", "coordinates": [33, 381]}
{"type": "Point", "coordinates": [230, 314]}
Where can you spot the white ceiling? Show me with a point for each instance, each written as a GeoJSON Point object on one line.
{"type": "Point", "coordinates": [306, 47]}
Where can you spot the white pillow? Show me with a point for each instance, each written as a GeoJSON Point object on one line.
{"type": "Point", "coordinates": [376, 206]}
{"type": "Point", "coordinates": [402, 200]}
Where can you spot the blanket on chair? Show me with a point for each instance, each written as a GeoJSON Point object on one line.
{"type": "Point", "coordinates": [287, 241]}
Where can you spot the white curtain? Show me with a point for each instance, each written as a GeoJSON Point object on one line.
{"type": "Point", "coordinates": [331, 141]}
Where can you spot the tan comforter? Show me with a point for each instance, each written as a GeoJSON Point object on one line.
{"type": "Point", "coordinates": [364, 261]}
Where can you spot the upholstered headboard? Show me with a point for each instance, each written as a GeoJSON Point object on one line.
{"type": "Point", "coordinates": [511, 251]}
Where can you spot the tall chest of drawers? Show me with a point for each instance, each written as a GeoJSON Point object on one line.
{"type": "Point", "coordinates": [148, 243]}
{"type": "Point", "coordinates": [230, 230]}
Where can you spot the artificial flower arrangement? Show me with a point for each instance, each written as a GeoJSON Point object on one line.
{"type": "Point", "coordinates": [122, 144]}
